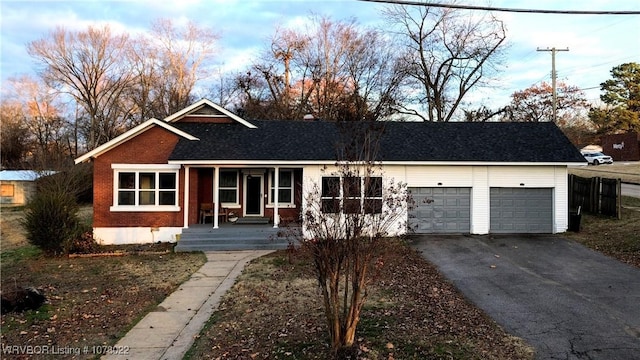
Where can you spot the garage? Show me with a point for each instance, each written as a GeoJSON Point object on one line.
{"type": "Point", "coordinates": [521, 210]}
{"type": "Point", "coordinates": [440, 210]}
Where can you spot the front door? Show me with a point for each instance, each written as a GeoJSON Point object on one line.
{"type": "Point", "coordinates": [253, 195]}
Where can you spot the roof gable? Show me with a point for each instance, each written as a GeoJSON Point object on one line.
{"type": "Point", "coordinates": [131, 134]}
{"type": "Point", "coordinates": [207, 109]}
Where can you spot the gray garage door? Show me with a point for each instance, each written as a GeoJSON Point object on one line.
{"type": "Point", "coordinates": [440, 210]}
{"type": "Point", "coordinates": [518, 210]}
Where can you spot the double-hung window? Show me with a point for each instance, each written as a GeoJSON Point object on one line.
{"type": "Point", "coordinates": [145, 187]}
{"type": "Point", "coordinates": [285, 187]}
{"type": "Point", "coordinates": [228, 184]}
{"type": "Point", "coordinates": [351, 195]}
{"type": "Point", "coordinates": [372, 195]}
{"type": "Point", "coordinates": [330, 196]}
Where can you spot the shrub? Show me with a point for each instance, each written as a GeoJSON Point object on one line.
{"type": "Point", "coordinates": [51, 221]}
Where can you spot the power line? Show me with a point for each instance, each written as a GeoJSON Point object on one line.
{"type": "Point", "coordinates": [489, 8]}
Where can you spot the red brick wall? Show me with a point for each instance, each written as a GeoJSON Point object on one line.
{"type": "Point", "coordinates": [622, 147]}
{"type": "Point", "coordinates": [194, 183]}
{"type": "Point", "coordinates": [150, 147]}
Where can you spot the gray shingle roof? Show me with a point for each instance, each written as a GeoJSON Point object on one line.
{"type": "Point", "coordinates": [400, 141]}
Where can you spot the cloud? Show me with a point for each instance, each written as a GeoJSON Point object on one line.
{"type": "Point", "coordinates": [596, 43]}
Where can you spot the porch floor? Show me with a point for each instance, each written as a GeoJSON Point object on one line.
{"type": "Point", "coordinates": [230, 236]}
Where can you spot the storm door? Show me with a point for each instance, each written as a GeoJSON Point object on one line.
{"type": "Point", "coordinates": [253, 195]}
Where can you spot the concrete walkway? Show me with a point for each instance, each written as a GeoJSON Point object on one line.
{"type": "Point", "coordinates": [169, 331]}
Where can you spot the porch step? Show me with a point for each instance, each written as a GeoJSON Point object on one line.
{"type": "Point", "coordinates": [232, 237]}
{"type": "Point", "coordinates": [252, 220]}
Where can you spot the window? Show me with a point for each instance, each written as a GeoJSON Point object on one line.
{"type": "Point", "coordinates": [352, 191]}
{"type": "Point", "coordinates": [7, 190]}
{"type": "Point", "coordinates": [373, 195]}
{"type": "Point", "coordinates": [330, 196]}
{"type": "Point", "coordinates": [228, 187]}
{"type": "Point", "coordinates": [145, 187]}
{"type": "Point", "coordinates": [285, 187]}
{"type": "Point", "coordinates": [356, 195]}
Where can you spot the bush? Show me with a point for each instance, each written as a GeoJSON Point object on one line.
{"type": "Point", "coordinates": [51, 221]}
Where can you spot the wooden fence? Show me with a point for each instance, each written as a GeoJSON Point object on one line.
{"type": "Point", "coordinates": [595, 195]}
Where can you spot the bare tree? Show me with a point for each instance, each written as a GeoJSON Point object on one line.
{"type": "Point", "coordinates": [89, 66]}
{"type": "Point", "coordinates": [348, 219]}
{"type": "Point", "coordinates": [41, 114]}
{"type": "Point", "coordinates": [224, 90]}
{"type": "Point", "coordinates": [181, 55]}
{"type": "Point", "coordinates": [14, 139]}
{"type": "Point", "coordinates": [146, 82]}
{"type": "Point", "coordinates": [332, 69]}
{"type": "Point", "coordinates": [447, 52]}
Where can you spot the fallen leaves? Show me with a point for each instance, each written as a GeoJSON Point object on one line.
{"type": "Point", "coordinates": [92, 301]}
{"type": "Point", "coordinates": [275, 312]}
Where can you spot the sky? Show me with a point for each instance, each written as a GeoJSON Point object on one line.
{"type": "Point", "coordinates": [596, 43]}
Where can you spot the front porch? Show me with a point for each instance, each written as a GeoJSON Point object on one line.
{"type": "Point", "coordinates": [220, 194]}
{"type": "Point", "coordinates": [230, 236]}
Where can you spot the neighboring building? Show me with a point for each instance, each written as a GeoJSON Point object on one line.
{"type": "Point", "coordinates": [18, 186]}
{"type": "Point", "coordinates": [474, 178]}
{"type": "Point", "coordinates": [622, 147]}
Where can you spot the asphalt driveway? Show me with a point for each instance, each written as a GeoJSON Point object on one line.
{"type": "Point", "coordinates": [565, 300]}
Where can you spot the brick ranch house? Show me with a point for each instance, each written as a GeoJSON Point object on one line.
{"type": "Point", "coordinates": [163, 176]}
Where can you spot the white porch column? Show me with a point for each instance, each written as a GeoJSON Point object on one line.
{"type": "Point", "coordinates": [216, 210]}
{"type": "Point", "coordinates": [276, 196]}
{"type": "Point", "coordinates": [185, 205]}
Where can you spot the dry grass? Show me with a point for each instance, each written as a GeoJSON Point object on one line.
{"type": "Point", "coordinates": [626, 172]}
{"type": "Point", "coordinates": [91, 301]}
{"type": "Point", "coordinates": [617, 238]}
{"type": "Point", "coordinates": [12, 235]}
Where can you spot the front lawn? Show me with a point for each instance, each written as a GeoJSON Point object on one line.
{"type": "Point", "coordinates": [274, 311]}
{"type": "Point", "coordinates": [91, 301]}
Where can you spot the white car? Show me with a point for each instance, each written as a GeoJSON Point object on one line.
{"type": "Point", "coordinates": [597, 158]}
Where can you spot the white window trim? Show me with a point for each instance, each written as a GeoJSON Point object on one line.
{"type": "Point", "coordinates": [283, 205]}
{"type": "Point", "coordinates": [231, 205]}
{"type": "Point", "coordinates": [138, 168]}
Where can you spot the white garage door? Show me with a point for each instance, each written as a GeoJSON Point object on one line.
{"type": "Point", "coordinates": [440, 210]}
{"type": "Point", "coordinates": [520, 210]}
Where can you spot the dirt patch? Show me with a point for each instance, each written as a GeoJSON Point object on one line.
{"type": "Point", "coordinates": [274, 311]}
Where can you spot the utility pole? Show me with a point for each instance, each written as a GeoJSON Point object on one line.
{"type": "Point", "coordinates": [553, 77]}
